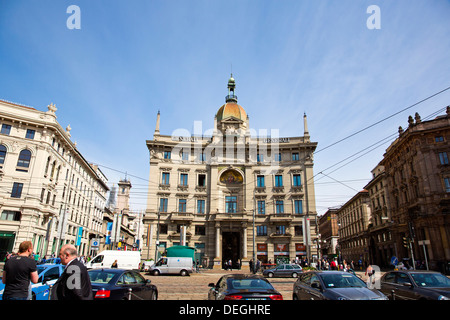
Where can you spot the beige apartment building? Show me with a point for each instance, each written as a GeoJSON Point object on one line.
{"type": "Point", "coordinates": [353, 220]}
{"type": "Point", "coordinates": [231, 193]}
{"type": "Point", "coordinates": [49, 193]}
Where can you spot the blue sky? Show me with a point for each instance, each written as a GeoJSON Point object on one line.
{"type": "Point", "coordinates": [133, 58]}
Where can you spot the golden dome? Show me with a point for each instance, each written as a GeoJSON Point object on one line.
{"type": "Point", "coordinates": [231, 109]}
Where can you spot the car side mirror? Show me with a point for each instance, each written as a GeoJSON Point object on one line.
{"type": "Point", "coordinates": [407, 284]}
{"type": "Point", "coordinates": [315, 285]}
{"type": "Point", "coordinates": [148, 281]}
{"type": "Point", "coordinates": [212, 285]}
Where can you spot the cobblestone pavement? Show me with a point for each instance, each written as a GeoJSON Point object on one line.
{"type": "Point", "coordinates": [195, 287]}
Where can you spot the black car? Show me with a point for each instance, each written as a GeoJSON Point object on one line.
{"type": "Point", "coordinates": [415, 285]}
{"type": "Point", "coordinates": [333, 285]}
{"type": "Point", "coordinates": [243, 287]}
{"type": "Point", "coordinates": [115, 284]}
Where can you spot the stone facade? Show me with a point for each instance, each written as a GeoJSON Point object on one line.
{"type": "Point", "coordinates": [49, 193]}
{"type": "Point", "coordinates": [232, 195]}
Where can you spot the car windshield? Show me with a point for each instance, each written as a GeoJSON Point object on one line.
{"type": "Point", "coordinates": [435, 280]}
{"type": "Point", "coordinates": [332, 281]}
{"type": "Point", "coordinates": [40, 269]}
{"type": "Point", "coordinates": [101, 276]}
{"type": "Point", "coordinates": [248, 284]}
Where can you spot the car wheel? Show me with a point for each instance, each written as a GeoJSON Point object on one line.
{"type": "Point", "coordinates": [294, 297]}
{"type": "Point", "coordinates": [156, 273]}
{"type": "Point", "coordinates": [183, 273]}
{"type": "Point", "coordinates": [270, 274]}
{"type": "Point", "coordinates": [294, 275]}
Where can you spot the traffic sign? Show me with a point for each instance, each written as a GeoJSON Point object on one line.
{"type": "Point", "coordinates": [394, 261]}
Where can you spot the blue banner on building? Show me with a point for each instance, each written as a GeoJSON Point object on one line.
{"type": "Point", "coordinates": [80, 233]}
{"type": "Point", "coordinates": [108, 232]}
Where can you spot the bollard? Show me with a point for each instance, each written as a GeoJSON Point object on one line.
{"type": "Point", "coordinates": [50, 291]}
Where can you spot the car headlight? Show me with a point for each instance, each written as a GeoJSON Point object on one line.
{"type": "Point", "coordinates": [443, 298]}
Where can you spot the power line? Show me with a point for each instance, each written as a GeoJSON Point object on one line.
{"type": "Point", "coordinates": [382, 120]}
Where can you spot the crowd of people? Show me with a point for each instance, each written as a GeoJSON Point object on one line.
{"type": "Point", "coordinates": [20, 271]}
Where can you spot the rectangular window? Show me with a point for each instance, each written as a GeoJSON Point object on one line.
{"type": "Point", "coordinates": [447, 184]}
{"type": "Point", "coordinates": [182, 205]}
{"type": "Point", "coordinates": [231, 204]}
{"type": "Point", "coordinates": [165, 178]}
{"type": "Point", "coordinates": [278, 181]}
{"type": "Point", "coordinates": [10, 215]}
{"type": "Point", "coordinates": [260, 181]}
{"type": "Point", "coordinates": [261, 207]}
{"type": "Point", "coordinates": [6, 129]}
{"type": "Point", "coordinates": [201, 206]}
{"type": "Point", "coordinates": [279, 206]}
{"type": "Point", "coordinates": [30, 134]}
{"type": "Point", "coordinates": [260, 157]}
{"type": "Point", "coordinates": [278, 157]}
{"type": "Point", "coordinates": [281, 229]}
{"type": "Point", "coordinates": [295, 156]}
{"type": "Point", "coordinates": [261, 230]}
{"type": "Point", "coordinates": [297, 180]}
{"type": "Point", "coordinates": [184, 179]}
{"type": "Point", "coordinates": [201, 180]}
{"type": "Point", "coordinates": [184, 156]}
{"type": "Point", "coordinates": [443, 157]}
{"type": "Point", "coordinates": [163, 202]}
{"type": "Point", "coordinates": [167, 155]}
{"type": "Point", "coordinates": [298, 206]}
{"type": "Point", "coordinates": [17, 190]}
{"type": "Point", "coordinates": [439, 139]}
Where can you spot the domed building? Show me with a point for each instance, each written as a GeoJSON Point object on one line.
{"type": "Point", "coordinates": [232, 196]}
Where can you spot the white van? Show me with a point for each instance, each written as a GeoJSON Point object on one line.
{"type": "Point", "coordinates": [173, 265]}
{"type": "Point", "coordinates": [125, 259]}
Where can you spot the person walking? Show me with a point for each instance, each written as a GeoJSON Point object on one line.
{"type": "Point", "coordinates": [369, 273]}
{"type": "Point", "coordinates": [74, 283]}
{"type": "Point", "coordinates": [18, 271]}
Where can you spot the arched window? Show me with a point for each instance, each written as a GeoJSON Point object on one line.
{"type": "Point", "coordinates": [2, 154]}
{"type": "Point", "coordinates": [24, 158]}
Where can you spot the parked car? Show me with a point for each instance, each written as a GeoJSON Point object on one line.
{"type": "Point", "coordinates": [415, 285]}
{"type": "Point", "coordinates": [47, 275]}
{"type": "Point", "coordinates": [243, 287]}
{"type": "Point", "coordinates": [115, 284]}
{"type": "Point", "coordinates": [284, 270]}
{"type": "Point", "coordinates": [333, 285]}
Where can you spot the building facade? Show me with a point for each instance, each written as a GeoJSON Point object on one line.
{"type": "Point", "coordinates": [382, 246]}
{"type": "Point", "coordinates": [49, 193]}
{"type": "Point", "coordinates": [329, 233]}
{"type": "Point", "coordinates": [353, 220]}
{"type": "Point", "coordinates": [418, 188]}
{"type": "Point", "coordinates": [231, 195]}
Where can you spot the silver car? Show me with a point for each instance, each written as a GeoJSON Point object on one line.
{"type": "Point", "coordinates": [333, 285]}
{"type": "Point", "coordinates": [284, 270]}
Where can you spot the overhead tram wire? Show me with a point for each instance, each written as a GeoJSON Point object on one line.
{"type": "Point", "coordinates": [384, 119]}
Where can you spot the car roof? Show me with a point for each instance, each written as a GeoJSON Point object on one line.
{"type": "Point", "coordinates": [243, 276]}
{"type": "Point", "coordinates": [47, 265]}
{"type": "Point", "coordinates": [111, 270]}
{"type": "Point", "coordinates": [415, 271]}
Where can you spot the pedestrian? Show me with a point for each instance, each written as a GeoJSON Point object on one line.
{"type": "Point", "coordinates": [18, 272]}
{"type": "Point", "coordinates": [114, 265]}
{"type": "Point", "coordinates": [370, 272]}
{"type": "Point", "coordinates": [74, 283]}
{"type": "Point", "coordinates": [197, 266]}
